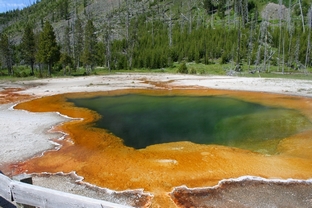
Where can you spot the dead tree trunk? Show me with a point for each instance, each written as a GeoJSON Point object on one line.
{"type": "Point", "coordinates": [108, 43]}
{"type": "Point", "coordinates": [308, 51]}
{"type": "Point", "coordinates": [290, 31]}
{"type": "Point", "coordinates": [280, 34]}
{"type": "Point", "coordinates": [301, 14]}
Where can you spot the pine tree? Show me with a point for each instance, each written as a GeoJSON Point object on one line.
{"type": "Point", "coordinates": [66, 43]}
{"type": "Point", "coordinates": [65, 12]}
{"type": "Point", "coordinates": [28, 46]}
{"type": "Point", "coordinates": [210, 6]}
{"type": "Point", "coordinates": [6, 52]}
{"type": "Point", "coordinates": [48, 50]}
{"type": "Point", "coordinates": [90, 42]}
{"type": "Point", "coordinates": [63, 7]}
{"type": "Point", "coordinates": [78, 42]}
{"type": "Point", "coordinates": [66, 58]}
{"type": "Point", "coordinates": [100, 55]}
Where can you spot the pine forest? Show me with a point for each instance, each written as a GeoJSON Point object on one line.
{"type": "Point", "coordinates": [81, 37]}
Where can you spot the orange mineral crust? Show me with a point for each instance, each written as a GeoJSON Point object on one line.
{"type": "Point", "coordinates": [103, 160]}
{"type": "Point", "coordinates": [9, 95]}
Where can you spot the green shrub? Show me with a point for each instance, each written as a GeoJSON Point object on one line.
{"type": "Point", "coordinates": [17, 74]}
{"type": "Point", "coordinates": [193, 71]}
{"type": "Point", "coordinates": [24, 74]}
{"type": "Point", "coordinates": [225, 58]}
{"type": "Point", "coordinates": [182, 68]}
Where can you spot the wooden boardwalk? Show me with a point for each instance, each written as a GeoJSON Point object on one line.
{"type": "Point", "coordinates": [6, 204]}
{"type": "Point", "coordinates": [27, 194]}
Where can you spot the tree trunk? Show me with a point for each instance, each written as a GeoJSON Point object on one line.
{"type": "Point", "coordinates": [32, 67]}
{"type": "Point", "coordinates": [49, 69]}
{"type": "Point", "coordinates": [238, 44]}
{"type": "Point", "coordinates": [309, 39]}
{"type": "Point", "coordinates": [280, 34]}
{"type": "Point", "coordinates": [250, 44]}
{"type": "Point", "coordinates": [290, 31]}
{"type": "Point", "coordinates": [40, 70]}
{"type": "Point", "coordinates": [308, 51]}
{"type": "Point", "coordinates": [302, 19]}
{"type": "Point", "coordinates": [170, 29]}
{"type": "Point", "coordinates": [108, 43]}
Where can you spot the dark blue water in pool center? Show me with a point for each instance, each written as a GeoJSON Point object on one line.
{"type": "Point", "coordinates": [143, 120]}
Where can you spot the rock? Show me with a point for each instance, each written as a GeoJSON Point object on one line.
{"type": "Point", "coordinates": [273, 11]}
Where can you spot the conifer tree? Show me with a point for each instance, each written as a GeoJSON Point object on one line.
{"type": "Point", "coordinates": [48, 50]}
{"type": "Point", "coordinates": [66, 58]}
{"type": "Point", "coordinates": [100, 55]}
{"type": "Point", "coordinates": [78, 42]}
{"type": "Point", "coordinates": [65, 9]}
{"type": "Point", "coordinates": [6, 52]}
{"type": "Point", "coordinates": [90, 42]}
{"type": "Point", "coordinates": [66, 43]}
{"type": "Point", "coordinates": [28, 47]}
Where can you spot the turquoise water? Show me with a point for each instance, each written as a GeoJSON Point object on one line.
{"type": "Point", "coordinates": [143, 120]}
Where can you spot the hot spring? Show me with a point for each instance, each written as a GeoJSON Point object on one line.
{"type": "Point", "coordinates": [144, 120]}
{"type": "Point", "coordinates": [160, 139]}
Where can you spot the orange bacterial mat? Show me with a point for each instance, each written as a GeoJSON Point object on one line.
{"type": "Point", "coordinates": [103, 160]}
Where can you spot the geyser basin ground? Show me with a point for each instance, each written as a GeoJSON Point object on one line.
{"type": "Point", "coordinates": [102, 159]}
{"type": "Point", "coordinates": [144, 120]}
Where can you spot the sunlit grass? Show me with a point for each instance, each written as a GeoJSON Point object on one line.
{"type": "Point", "coordinates": [24, 72]}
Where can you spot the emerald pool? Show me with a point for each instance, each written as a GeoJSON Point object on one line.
{"type": "Point", "coordinates": [144, 120]}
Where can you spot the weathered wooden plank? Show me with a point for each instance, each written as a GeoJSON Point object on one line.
{"type": "Point", "coordinates": [43, 197]}
{"type": "Point", "coordinates": [25, 178]}
{"type": "Point", "coordinates": [5, 187]}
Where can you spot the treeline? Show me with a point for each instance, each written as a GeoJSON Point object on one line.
{"type": "Point", "coordinates": [233, 32]}
{"type": "Point", "coordinates": [258, 46]}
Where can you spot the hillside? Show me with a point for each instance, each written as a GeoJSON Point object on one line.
{"type": "Point", "coordinates": [155, 34]}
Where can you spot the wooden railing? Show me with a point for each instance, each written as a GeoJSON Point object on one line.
{"type": "Point", "coordinates": [27, 194]}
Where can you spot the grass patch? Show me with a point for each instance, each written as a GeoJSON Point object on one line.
{"type": "Point", "coordinates": [24, 72]}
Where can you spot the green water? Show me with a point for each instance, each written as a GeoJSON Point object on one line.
{"type": "Point", "coordinates": [143, 120]}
